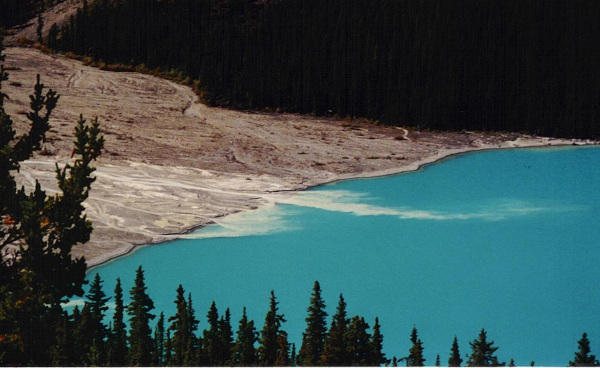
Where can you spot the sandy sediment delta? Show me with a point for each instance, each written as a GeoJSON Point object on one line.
{"type": "Point", "coordinates": [172, 164]}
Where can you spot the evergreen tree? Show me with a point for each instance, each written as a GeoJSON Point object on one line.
{"type": "Point", "coordinates": [168, 350]}
{"type": "Point", "coordinates": [191, 356]}
{"type": "Point", "coordinates": [140, 334]}
{"type": "Point", "coordinates": [62, 351]}
{"type": "Point", "coordinates": [96, 300]}
{"type": "Point", "coordinates": [244, 352]}
{"type": "Point", "coordinates": [583, 358]}
{"type": "Point", "coordinates": [226, 337]}
{"type": "Point", "coordinates": [482, 354]}
{"type": "Point", "coordinates": [212, 348]}
{"type": "Point", "coordinates": [313, 339]}
{"type": "Point", "coordinates": [377, 355]}
{"type": "Point", "coordinates": [158, 354]}
{"type": "Point", "coordinates": [415, 354]}
{"type": "Point", "coordinates": [334, 351]}
{"type": "Point", "coordinates": [84, 335]}
{"type": "Point", "coordinates": [293, 357]}
{"type": "Point", "coordinates": [117, 341]}
{"type": "Point", "coordinates": [283, 350]}
{"type": "Point", "coordinates": [180, 329]}
{"type": "Point", "coordinates": [358, 349]}
{"type": "Point", "coordinates": [37, 231]}
{"type": "Point", "coordinates": [268, 349]}
{"type": "Point", "coordinates": [455, 360]}
{"type": "Point", "coordinates": [437, 361]}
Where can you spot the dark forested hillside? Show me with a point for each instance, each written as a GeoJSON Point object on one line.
{"type": "Point", "coordinates": [13, 12]}
{"type": "Point", "coordinates": [519, 65]}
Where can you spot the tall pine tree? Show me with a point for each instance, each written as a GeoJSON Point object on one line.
{"type": "Point", "coordinates": [117, 340]}
{"type": "Point", "coordinates": [334, 351]}
{"type": "Point", "coordinates": [415, 354]}
{"type": "Point", "coordinates": [268, 348]}
{"type": "Point", "coordinates": [377, 355]}
{"type": "Point", "coordinates": [358, 349]}
{"type": "Point", "coordinates": [583, 358]}
{"type": "Point", "coordinates": [179, 329]}
{"type": "Point", "coordinates": [140, 333]}
{"type": "Point", "coordinates": [313, 339]}
{"type": "Point", "coordinates": [482, 352]}
{"type": "Point", "coordinates": [244, 351]}
{"type": "Point", "coordinates": [455, 360]}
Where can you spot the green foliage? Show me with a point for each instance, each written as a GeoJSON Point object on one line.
{"type": "Point", "coordinates": [37, 233]}
{"type": "Point", "coordinates": [313, 339]}
{"type": "Point", "coordinates": [455, 360]}
{"type": "Point", "coordinates": [226, 337]}
{"type": "Point", "coordinates": [158, 354]}
{"type": "Point", "coordinates": [358, 351]}
{"type": "Point", "coordinates": [140, 334]}
{"type": "Point", "coordinates": [415, 355]}
{"type": "Point", "coordinates": [482, 352]}
{"type": "Point", "coordinates": [244, 352]}
{"type": "Point", "coordinates": [268, 350]}
{"type": "Point", "coordinates": [377, 355]}
{"type": "Point", "coordinates": [117, 339]}
{"type": "Point", "coordinates": [181, 332]}
{"type": "Point", "coordinates": [211, 341]}
{"type": "Point", "coordinates": [334, 351]}
{"type": "Point", "coordinates": [583, 358]}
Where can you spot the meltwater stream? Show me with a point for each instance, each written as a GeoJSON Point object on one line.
{"type": "Point", "coordinates": [508, 240]}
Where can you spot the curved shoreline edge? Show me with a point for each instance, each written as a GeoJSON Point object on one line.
{"type": "Point", "coordinates": [440, 156]}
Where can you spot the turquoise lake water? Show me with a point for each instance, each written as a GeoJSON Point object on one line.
{"type": "Point", "coordinates": [508, 240]}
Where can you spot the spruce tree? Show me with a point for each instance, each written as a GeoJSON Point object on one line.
{"type": "Point", "coordinates": [180, 329]}
{"type": "Point", "coordinates": [63, 349]}
{"type": "Point", "coordinates": [455, 360]}
{"type": "Point", "coordinates": [283, 350]}
{"type": "Point", "coordinates": [244, 352]}
{"type": "Point", "coordinates": [415, 354]}
{"type": "Point", "coordinates": [293, 356]}
{"type": "Point", "coordinates": [96, 300]}
{"type": "Point", "coordinates": [268, 348]}
{"type": "Point", "coordinates": [117, 341]}
{"type": "Point", "coordinates": [313, 339]}
{"type": "Point", "coordinates": [377, 355]}
{"type": "Point", "coordinates": [211, 340]}
{"type": "Point", "coordinates": [38, 231]}
{"type": "Point", "coordinates": [140, 334]}
{"type": "Point", "coordinates": [158, 353]}
{"type": "Point", "coordinates": [191, 356]}
{"type": "Point", "coordinates": [482, 352]}
{"type": "Point", "coordinates": [334, 351]}
{"type": "Point", "coordinates": [358, 349]}
{"type": "Point", "coordinates": [583, 358]}
{"type": "Point", "coordinates": [226, 337]}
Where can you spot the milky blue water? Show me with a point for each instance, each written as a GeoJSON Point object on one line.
{"type": "Point", "coordinates": [508, 240]}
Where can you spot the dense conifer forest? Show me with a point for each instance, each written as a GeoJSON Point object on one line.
{"type": "Point", "coordinates": [17, 12]}
{"type": "Point", "coordinates": [517, 65]}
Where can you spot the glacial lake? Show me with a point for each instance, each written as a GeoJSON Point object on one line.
{"type": "Point", "coordinates": [508, 240]}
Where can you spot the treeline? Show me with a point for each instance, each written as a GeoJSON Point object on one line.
{"type": "Point", "coordinates": [83, 338]}
{"type": "Point", "coordinates": [517, 65]}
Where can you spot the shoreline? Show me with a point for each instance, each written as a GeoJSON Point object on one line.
{"type": "Point", "coordinates": [442, 155]}
{"type": "Point", "coordinates": [172, 165]}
